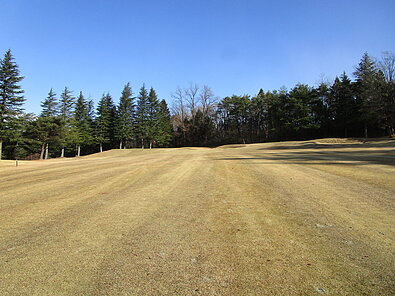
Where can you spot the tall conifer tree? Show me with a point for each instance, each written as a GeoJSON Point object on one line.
{"type": "Point", "coordinates": [48, 126]}
{"type": "Point", "coordinates": [104, 123]}
{"type": "Point", "coordinates": [165, 130]}
{"type": "Point", "coordinates": [368, 91]}
{"type": "Point", "coordinates": [67, 102]}
{"type": "Point", "coordinates": [50, 105]}
{"type": "Point", "coordinates": [142, 116]}
{"type": "Point", "coordinates": [343, 104]}
{"type": "Point", "coordinates": [152, 117]}
{"type": "Point", "coordinates": [82, 133]}
{"type": "Point", "coordinates": [125, 117]}
{"type": "Point", "coordinates": [45, 131]}
{"type": "Point", "coordinates": [11, 100]}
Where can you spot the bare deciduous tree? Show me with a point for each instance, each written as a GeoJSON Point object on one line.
{"type": "Point", "coordinates": [178, 106]}
{"type": "Point", "coordinates": [178, 111]}
{"type": "Point", "coordinates": [207, 100]}
{"type": "Point", "coordinates": [387, 65]}
{"type": "Point", "coordinates": [191, 96]}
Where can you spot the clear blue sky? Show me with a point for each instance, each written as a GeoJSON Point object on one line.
{"type": "Point", "coordinates": [236, 47]}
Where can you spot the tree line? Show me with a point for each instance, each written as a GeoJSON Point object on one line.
{"type": "Point", "coordinates": [71, 126]}
{"type": "Point", "coordinates": [363, 107]}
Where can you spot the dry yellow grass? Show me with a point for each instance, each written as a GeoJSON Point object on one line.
{"type": "Point", "coordinates": [291, 218]}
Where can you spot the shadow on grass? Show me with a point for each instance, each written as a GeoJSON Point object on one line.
{"type": "Point", "coordinates": [355, 157]}
{"type": "Point", "coordinates": [381, 143]}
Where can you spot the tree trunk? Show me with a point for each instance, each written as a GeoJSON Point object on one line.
{"type": "Point", "coordinates": [101, 147]}
{"type": "Point", "coordinates": [150, 144]}
{"type": "Point", "coordinates": [390, 131]}
{"type": "Point", "coordinates": [142, 143]}
{"type": "Point", "coordinates": [1, 148]}
{"type": "Point", "coordinates": [46, 151]}
{"type": "Point", "coordinates": [62, 153]}
{"type": "Point", "coordinates": [120, 145]}
{"type": "Point", "coordinates": [366, 130]}
{"type": "Point", "coordinates": [78, 151]}
{"type": "Point", "coordinates": [42, 151]}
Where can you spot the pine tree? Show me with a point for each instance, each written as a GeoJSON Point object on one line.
{"type": "Point", "coordinates": [67, 102]}
{"type": "Point", "coordinates": [125, 117]}
{"type": "Point", "coordinates": [165, 131]}
{"type": "Point", "coordinates": [11, 100]}
{"type": "Point", "coordinates": [152, 117]}
{"type": "Point", "coordinates": [343, 106]}
{"type": "Point", "coordinates": [49, 105]}
{"type": "Point", "coordinates": [368, 91]}
{"type": "Point", "coordinates": [48, 126]}
{"type": "Point", "coordinates": [81, 130]}
{"type": "Point", "coordinates": [104, 123]}
{"type": "Point", "coordinates": [45, 131]}
{"type": "Point", "coordinates": [259, 113]}
{"type": "Point", "coordinates": [142, 116]}
{"type": "Point", "coordinates": [389, 107]}
{"type": "Point", "coordinates": [91, 112]}
{"type": "Point", "coordinates": [237, 112]}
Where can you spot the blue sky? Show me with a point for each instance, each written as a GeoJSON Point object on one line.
{"type": "Point", "coordinates": [235, 47]}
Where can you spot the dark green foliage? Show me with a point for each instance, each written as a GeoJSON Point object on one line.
{"type": "Point", "coordinates": [164, 131]}
{"type": "Point", "coordinates": [260, 115]}
{"type": "Point", "coordinates": [153, 126]}
{"type": "Point", "coordinates": [125, 117]}
{"type": "Point", "coordinates": [142, 117]}
{"type": "Point", "coordinates": [236, 110]}
{"type": "Point", "coordinates": [67, 102]}
{"type": "Point", "coordinates": [44, 131]}
{"type": "Point", "coordinates": [50, 105]}
{"type": "Point", "coordinates": [304, 112]}
{"type": "Point", "coordinates": [302, 118]}
{"type": "Point", "coordinates": [66, 112]}
{"type": "Point", "coordinates": [343, 109]}
{"type": "Point", "coordinates": [81, 114]}
{"type": "Point", "coordinates": [81, 134]}
{"type": "Point", "coordinates": [11, 101]}
{"type": "Point", "coordinates": [105, 122]}
{"type": "Point", "coordinates": [49, 129]}
{"type": "Point", "coordinates": [388, 116]}
{"type": "Point", "coordinates": [321, 109]}
{"type": "Point", "coordinates": [152, 117]}
{"type": "Point", "coordinates": [272, 115]}
{"type": "Point", "coordinates": [368, 87]}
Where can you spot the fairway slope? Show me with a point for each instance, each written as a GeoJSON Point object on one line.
{"type": "Point", "coordinates": [286, 218]}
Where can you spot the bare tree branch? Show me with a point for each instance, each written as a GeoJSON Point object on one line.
{"type": "Point", "coordinates": [387, 65]}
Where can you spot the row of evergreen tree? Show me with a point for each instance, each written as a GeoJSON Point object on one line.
{"type": "Point", "coordinates": [345, 108]}
{"type": "Point", "coordinates": [69, 126]}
